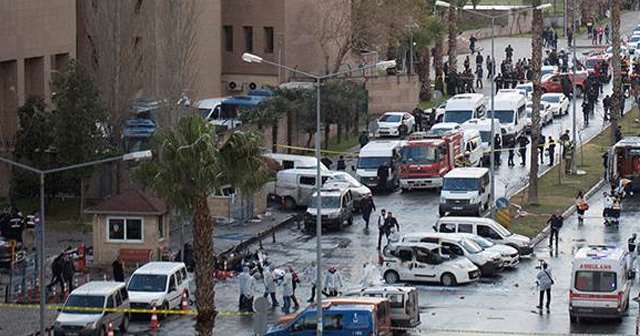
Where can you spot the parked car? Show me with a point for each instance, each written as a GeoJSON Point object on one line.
{"type": "Point", "coordinates": [395, 124]}
{"type": "Point", "coordinates": [160, 284]}
{"type": "Point", "coordinates": [358, 190]}
{"type": "Point", "coordinates": [546, 116]}
{"type": "Point", "coordinates": [405, 312]}
{"type": "Point", "coordinates": [558, 103]}
{"type": "Point", "coordinates": [553, 82]}
{"type": "Point", "coordinates": [633, 42]}
{"type": "Point", "coordinates": [509, 254]}
{"type": "Point", "coordinates": [548, 69]}
{"type": "Point", "coordinates": [336, 208]}
{"type": "Point", "coordinates": [442, 128]}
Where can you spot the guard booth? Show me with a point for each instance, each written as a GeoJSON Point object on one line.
{"type": "Point", "coordinates": [133, 225]}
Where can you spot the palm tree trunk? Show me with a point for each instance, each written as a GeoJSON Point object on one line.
{"type": "Point", "coordinates": [327, 133]}
{"type": "Point", "coordinates": [274, 137]}
{"type": "Point", "coordinates": [569, 24]}
{"type": "Point", "coordinates": [204, 261]}
{"type": "Point", "coordinates": [452, 53]}
{"type": "Point", "coordinates": [424, 70]}
{"type": "Point", "coordinates": [617, 76]}
{"type": "Point", "coordinates": [536, 60]}
{"type": "Point", "coordinates": [438, 65]}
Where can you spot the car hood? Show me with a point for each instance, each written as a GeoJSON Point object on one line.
{"type": "Point", "coordinates": [358, 192]}
{"type": "Point", "coordinates": [387, 124]}
{"type": "Point", "coordinates": [520, 239]}
{"type": "Point", "coordinates": [77, 319]}
{"type": "Point", "coordinates": [146, 297]}
{"type": "Point", "coordinates": [503, 249]}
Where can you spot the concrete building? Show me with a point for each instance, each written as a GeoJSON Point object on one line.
{"type": "Point", "coordinates": [37, 37]}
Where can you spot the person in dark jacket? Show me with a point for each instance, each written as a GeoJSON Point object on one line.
{"type": "Point", "coordinates": [555, 223]}
{"type": "Point", "coordinates": [389, 223]}
{"type": "Point", "coordinates": [522, 148]}
{"type": "Point", "coordinates": [67, 272]}
{"type": "Point", "coordinates": [56, 270]}
{"type": "Point", "coordinates": [341, 165]}
{"type": "Point", "coordinates": [383, 175]}
{"type": "Point", "coordinates": [497, 146]}
{"type": "Point", "coordinates": [541, 142]}
{"type": "Point", "coordinates": [366, 207]}
{"type": "Point", "coordinates": [118, 270]}
{"type": "Point", "coordinates": [363, 139]}
{"type": "Point", "coordinates": [511, 145]}
{"type": "Point", "coordinates": [551, 149]}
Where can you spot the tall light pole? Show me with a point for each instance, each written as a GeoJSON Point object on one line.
{"type": "Point", "coordinates": [382, 65]}
{"type": "Point", "coordinates": [574, 136]}
{"type": "Point", "coordinates": [492, 163]}
{"type": "Point", "coordinates": [41, 230]}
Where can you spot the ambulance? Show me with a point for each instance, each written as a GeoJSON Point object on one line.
{"type": "Point", "coordinates": [600, 283]}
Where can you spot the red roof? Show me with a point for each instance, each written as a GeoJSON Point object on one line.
{"type": "Point", "coordinates": [131, 201]}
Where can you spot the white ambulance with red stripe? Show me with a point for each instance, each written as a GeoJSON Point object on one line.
{"type": "Point", "coordinates": [600, 283]}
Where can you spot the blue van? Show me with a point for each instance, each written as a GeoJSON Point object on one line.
{"type": "Point", "coordinates": [361, 316]}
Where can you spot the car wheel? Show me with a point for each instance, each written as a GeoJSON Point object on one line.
{"type": "Point", "coordinates": [448, 280]}
{"type": "Point", "coordinates": [350, 221]}
{"type": "Point", "coordinates": [572, 319]}
{"type": "Point", "coordinates": [391, 277]}
{"type": "Point", "coordinates": [289, 203]}
{"type": "Point", "coordinates": [125, 323]}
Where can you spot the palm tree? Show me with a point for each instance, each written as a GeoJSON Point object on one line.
{"type": "Point", "coordinates": [438, 64]}
{"type": "Point", "coordinates": [192, 164]}
{"type": "Point", "coordinates": [427, 32]}
{"type": "Point", "coordinates": [615, 63]}
{"type": "Point", "coordinates": [452, 53]}
{"type": "Point", "coordinates": [536, 60]}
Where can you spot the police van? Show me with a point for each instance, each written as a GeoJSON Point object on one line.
{"type": "Point", "coordinates": [600, 283]}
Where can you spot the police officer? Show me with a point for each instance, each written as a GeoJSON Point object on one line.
{"type": "Point", "coordinates": [497, 147]}
{"type": "Point", "coordinates": [522, 148]}
{"type": "Point", "coordinates": [555, 223]}
{"type": "Point", "coordinates": [551, 149]}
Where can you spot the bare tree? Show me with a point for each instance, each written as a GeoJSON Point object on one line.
{"type": "Point", "coordinates": [536, 61]}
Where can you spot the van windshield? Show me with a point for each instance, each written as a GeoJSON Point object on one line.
{"type": "Point", "coordinates": [596, 281]}
{"type": "Point", "coordinates": [419, 155]}
{"type": "Point", "coordinates": [329, 202]}
{"type": "Point", "coordinates": [505, 117]}
{"type": "Point", "coordinates": [147, 283]}
{"type": "Point", "coordinates": [460, 184]}
{"type": "Point", "coordinates": [84, 301]}
{"type": "Point", "coordinates": [457, 116]}
{"type": "Point", "coordinates": [371, 162]}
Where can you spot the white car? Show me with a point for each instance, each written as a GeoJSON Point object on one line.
{"type": "Point", "coordinates": [442, 128]}
{"type": "Point", "coordinates": [395, 124]}
{"type": "Point", "coordinates": [547, 69]}
{"type": "Point", "coordinates": [426, 262]}
{"type": "Point", "coordinates": [559, 103]}
{"type": "Point", "coordinates": [633, 42]}
{"type": "Point", "coordinates": [527, 87]}
{"type": "Point", "coordinates": [358, 190]}
{"type": "Point", "coordinates": [546, 115]}
{"type": "Point", "coordinates": [624, 51]}
{"type": "Point", "coordinates": [509, 254]}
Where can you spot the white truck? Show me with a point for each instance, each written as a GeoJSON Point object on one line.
{"type": "Point", "coordinates": [372, 156]}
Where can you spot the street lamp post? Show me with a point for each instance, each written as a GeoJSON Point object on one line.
{"type": "Point", "coordinates": [574, 163]}
{"type": "Point", "coordinates": [41, 220]}
{"type": "Point", "coordinates": [382, 65]}
{"type": "Point", "coordinates": [492, 163]}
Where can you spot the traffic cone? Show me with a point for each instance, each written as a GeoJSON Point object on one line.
{"type": "Point", "coordinates": [55, 295]}
{"type": "Point", "coordinates": [184, 305]}
{"type": "Point", "coordinates": [64, 293]}
{"type": "Point", "coordinates": [110, 329]}
{"type": "Point", "coordinates": [154, 325]}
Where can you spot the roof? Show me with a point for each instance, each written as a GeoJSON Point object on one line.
{"type": "Point", "coordinates": [159, 267]}
{"type": "Point", "coordinates": [132, 201]}
{"type": "Point", "coordinates": [429, 246]}
{"type": "Point", "coordinates": [456, 219]}
{"type": "Point", "coordinates": [395, 113]}
{"type": "Point", "coordinates": [210, 102]}
{"type": "Point", "coordinates": [355, 300]}
{"type": "Point", "coordinates": [381, 145]}
{"type": "Point", "coordinates": [445, 125]}
{"type": "Point", "coordinates": [596, 252]}
{"type": "Point", "coordinates": [628, 142]}
{"type": "Point", "coordinates": [98, 288]}
{"type": "Point", "coordinates": [468, 172]}
{"type": "Point", "coordinates": [434, 235]}
{"type": "Point", "coordinates": [552, 94]}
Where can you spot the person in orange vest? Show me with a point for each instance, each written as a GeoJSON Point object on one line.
{"type": "Point", "coordinates": [581, 207]}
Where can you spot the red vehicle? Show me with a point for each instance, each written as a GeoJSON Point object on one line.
{"type": "Point", "coordinates": [424, 162]}
{"type": "Point", "coordinates": [599, 65]}
{"type": "Point", "coordinates": [624, 163]}
{"type": "Point", "coordinates": [553, 82]}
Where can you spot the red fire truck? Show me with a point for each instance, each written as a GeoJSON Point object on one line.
{"type": "Point", "coordinates": [424, 160]}
{"type": "Point", "coordinates": [624, 163]}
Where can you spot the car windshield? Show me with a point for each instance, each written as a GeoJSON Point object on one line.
{"type": "Point", "coordinates": [204, 112]}
{"type": "Point", "coordinates": [470, 246]}
{"type": "Point", "coordinates": [437, 131]}
{"type": "Point", "coordinates": [482, 242]}
{"type": "Point", "coordinates": [426, 155]}
{"type": "Point", "coordinates": [328, 202]}
{"type": "Point", "coordinates": [460, 184]}
{"type": "Point", "coordinates": [550, 99]}
{"type": "Point", "coordinates": [596, 281]}
{"type": "Point", "coordinates": [344, 177]}
{"type": "Point", "coordinates": [635, 38]}
{"type": "Point", "coordinates": [74, 302]}
{"type": "Point", "coordinates": [504, 232]}
{"type": "Point", "coordinates": [390, 118]}
{"type": "Point", "coordinates": [147, 283]}
{"type": "Point", "coordinates": [526, 88]}
{"type": "Point", "coordinates": [371, 162]}
{"type": "Point", "coordinates": [505, 117]}
{"type": "Point", "coordinates": [457, 116]}
{"type": "Point", "coordinates": [485, 136]}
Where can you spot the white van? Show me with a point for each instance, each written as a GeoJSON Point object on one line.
{"type": "Point", "coordinates": [211, 110]}
{"type": "Point", "coordinates": [336, 208]}
{"type": "Point", "coordinates": [289, 161]}
{"type": "Point", "coordinates": [465, 191]}
{"type": "Point", "coordinates": [473, 146]}
{"type": "Point", "coordinates": [464, 106]}
{"type": "Point", "coordinates": [511, 110]}
{"type": "Point", "coordinates": [483, 125]}
{"type": "Point", "coordinates": [405, 309]}
{"type": "Point", "coordinates": [94, 296]}
{"type": "Point", "coordinates": [372, 155]}
{"type": "Point", "coordinates": [600, 283]}
{"type": "Point", "coordinates": [509, 254]}
{"type": "Point", "coordinates": [160, 284]}
{"type": "Point", "coordinates": [486, 228]}
{"type": "Point", "coordinates": [489, 262]}
{"type": "Point", "coordinates": [295, 186]}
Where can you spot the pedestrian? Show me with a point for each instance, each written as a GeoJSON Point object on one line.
{"type": "Point", "coordinates": [269, 285]}
{"type": "Point", "coordinates": [555, 223]}
{"type": "Point", "coordinates": [67, 272]}
{"type": "Point", "coordinates": [605, 164]}
{"type": "Point", "coordinates": [581, 207]}
{"type": "Point", "coordinates": [472, 43]}
{"type": "Point", "coordinates": [508, 52]}
{"type": "Point", "coordinates": [541, 143]}
{"type": "Point", "coordinates": [56, 271]}
{"type": "Point", "coordinates": [389, 223]}
{"type": "Point", "coordinates": [311, 274]}
{"type": "Point", "coordinates": [585, 112]}
{"type": "Point", "coordinates": [479, 60]}
{"type": "Point", "coordinates": [479, 77]}
{"type": "Point", "coordinates": [615, 210]}
{"type": "Point", "coordinates": [606, 105]}
{"type": "Point", "coordinates": [363, 139]}
{"type": "Point", "coordinates": [569, 38]}
{"type": "Point", "coordinates": [287, 290]}
{"type": "Point", "coordinates": [118, 270]}
{"type": "Point", "coordinates": [490, 67]}
{"type": "Point", "coordinates": [295, 281]}
{"type": "Point", "coordinates": [381, 226]}
{"type": "Point", "coordinates": [606, 34]}
{"type": "Point", "coordinates": [383, 176]}
{"type": "Point", "coordinates": [544, 282]}
{"type": "Point", "coordinates": [499, 82]}
{"type": "Point", "coordinates": [332, 282]}
{"type": "Point", "coordinates": [568, 157]}
{"type": "Point", "coordinates": [522, 148]}
{"type": "Point", "coordinates": [417, 116]}
{"type": "Point", "coordinates": [341, 164]}
{"type": "Point", "coordinates": [245, 280]}
{"type": "Point", "coordinates": [564, 140]}
{"type": "Point", "coordinates": [366, 207]}
{"type": "Point", "coordinates": [600, 34]}
{"type": "Point", "coordinates": [551, 150]}
{"type": "Point", "coordinates": [618, 134]}
{"type": "Point", "coordinates": [632, 243]}
{"type": "Point", "coordinates": [467, 62]}
{"type": "Point", "coordinates": [392, 239]}
{"type": "Point", "coordinates": [607, 202]}
{"type": "Point", "coordinates": [497, 146]}
{"type": "Point", "coordinates": [511, 145]}
{"type": "Point", "coordinates": [326, 162]}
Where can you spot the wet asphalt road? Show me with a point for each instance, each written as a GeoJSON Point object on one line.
{"type": "Point", "coordinates": [503, 304]}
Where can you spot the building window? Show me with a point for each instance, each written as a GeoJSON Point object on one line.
{"type": "Point", "coordinates": [228, 38]}
{"type": "Point", "coordinates": [124, 229]}
{"type": "Point", "coordinates": [268, 40]}
{"type": "Point", "coordinates": [248, 38]}
{"type": "Point", "coordinates": [160, 228]}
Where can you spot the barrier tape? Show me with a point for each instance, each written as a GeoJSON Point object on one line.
{"type": "Point", "coordinates": [122, 310]}
{"type": "Point", "coordinates": [313, 150]}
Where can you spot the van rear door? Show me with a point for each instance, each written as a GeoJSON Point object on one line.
{"type": "Point", "coordinates": [595, 290]}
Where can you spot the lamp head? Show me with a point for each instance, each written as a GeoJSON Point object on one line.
{"type": "Point", "coordinates": [445, 4]}
{"type": "Point", "coordinates": [384, 65]}
{"type": "Point", "coordinates": [251, 58]}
